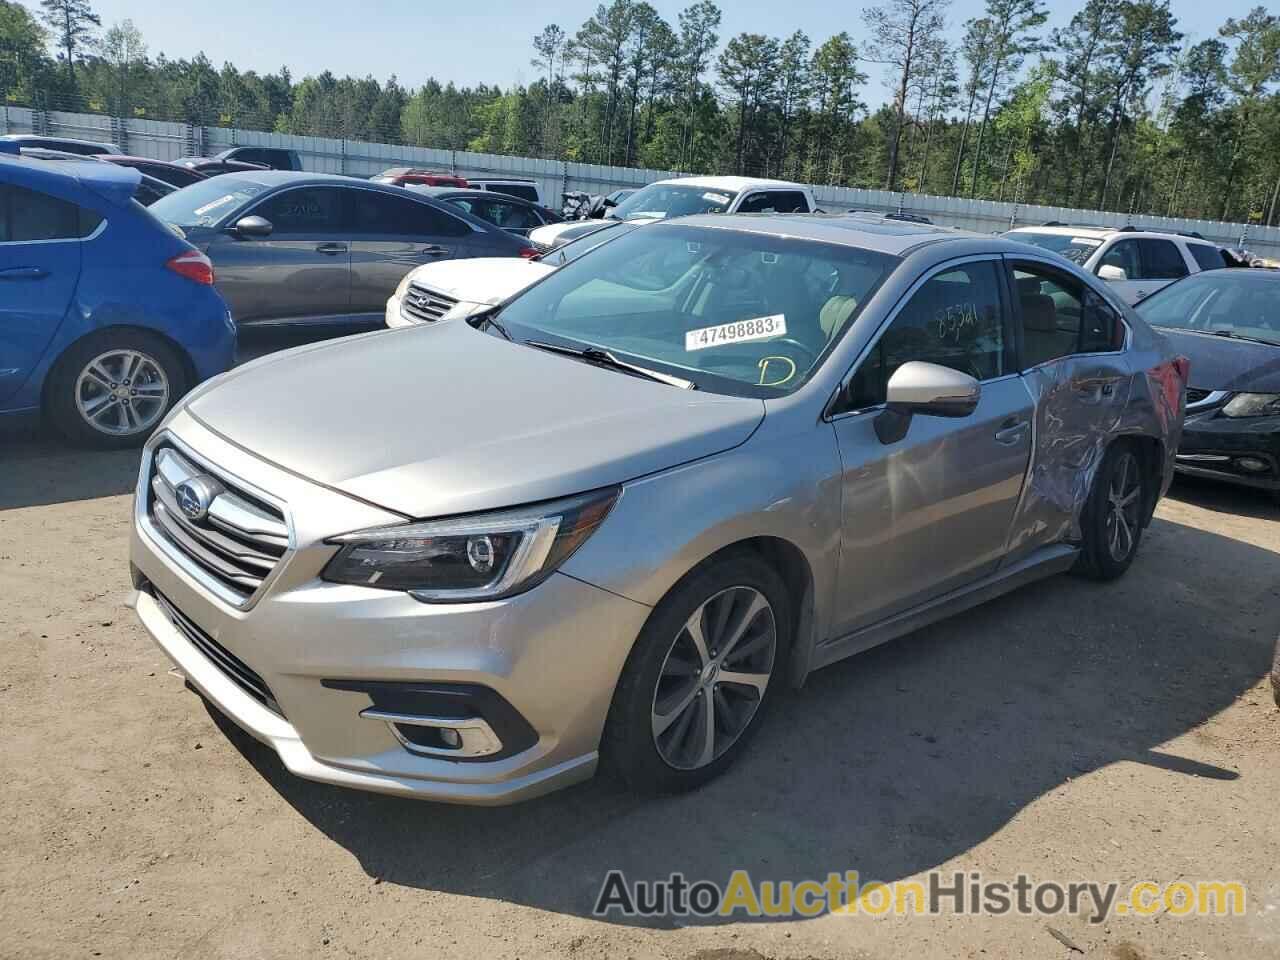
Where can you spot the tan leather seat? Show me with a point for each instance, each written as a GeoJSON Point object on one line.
{"type": "Point", "coordinates": [1041, 338]}
{"type": "Point", "coordinates": [835, 313]}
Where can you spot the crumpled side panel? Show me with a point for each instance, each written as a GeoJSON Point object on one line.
{"type": "Point", "coordinates": [1083, 403]}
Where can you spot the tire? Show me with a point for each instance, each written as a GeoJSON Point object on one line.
{"type": "Point", "coordinates": [1119, 493]}
{"type": "Point", "coordinates": [113, 388]}
{"type": "Point", "coordinates": [660, 674]}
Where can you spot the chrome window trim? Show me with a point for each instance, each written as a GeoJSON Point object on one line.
{"type": "Point", "coordinates": [176, 557]}
{"type": "Point", "coordinates": [827, 414]}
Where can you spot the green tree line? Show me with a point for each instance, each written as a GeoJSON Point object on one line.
{"type": "Point", "coordinates": [1115, 110]}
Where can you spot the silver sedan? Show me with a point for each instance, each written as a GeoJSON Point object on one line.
{"type": "Point", "coordinates": [605, 523]}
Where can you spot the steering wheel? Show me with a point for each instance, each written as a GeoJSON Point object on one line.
{"type": "Point", "coordinates": [804, 348]}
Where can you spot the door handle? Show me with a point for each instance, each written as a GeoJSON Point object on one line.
{"type": "Point", "coordinates": [434, 250]}
{"type": "Point", "coordinates": [1011, 431]}
{"type": "Point", "coordinates": [331, 249]}
{"type": "Point", "coordinates": [24, 273]}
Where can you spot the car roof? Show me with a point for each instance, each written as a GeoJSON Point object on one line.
{"type": "Point", "coordinates": [54, 138]}
{"type": "Point", "coordinates": [737, 184]}
{"type": "Point", "coordinates": [113, 183]}
{"type": "Point", "coordinates": [1104, 233]}
{"type": "Point", "coordinates": [894, 237]}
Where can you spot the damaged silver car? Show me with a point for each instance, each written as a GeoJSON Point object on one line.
{"type": "Point", "coordinates": [606, 522]}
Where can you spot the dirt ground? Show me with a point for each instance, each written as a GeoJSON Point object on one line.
{"type": "Point", "coordinates": [1069, 731]}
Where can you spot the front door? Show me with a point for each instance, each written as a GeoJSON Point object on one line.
{"type": "Point", "coordinates": [931, 513]}
{"type": "Point", "coordinates": [300, 273]}
{"type": "Point", "coordinates": [393, 235]}
{"type": "Point", "coordinates": [39, 270]}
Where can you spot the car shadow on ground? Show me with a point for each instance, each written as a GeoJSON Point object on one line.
{"type": "Point", "coordinates": [891, 763]}
{"type": "Point", "coordinates": [1225, 498]}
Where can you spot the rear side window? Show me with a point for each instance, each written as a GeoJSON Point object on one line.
{"type": "Point", "coordinates": [954, 320]}
{"type": "Point", "coordinates": [377, 212]}
{"type": "Point", "coordinates": [27, 216]}
{"type": "Point", "coordinates": [522, 190]}
{"type": "Point", "coordinates": [1161, 260]}
{"type": "Point", "coordinates": [1209, 258]}
{"type": "Point", "coordinates": [775, 201]}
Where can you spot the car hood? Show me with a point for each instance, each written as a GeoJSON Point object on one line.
{"type": "Point", "coordinates": [439, 420]}
{"type": "Point", "coordinates": [1220, 363]}
{"type": "Point", "coordinates": [487, 280]}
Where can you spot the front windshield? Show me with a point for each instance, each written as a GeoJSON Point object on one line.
{"type": "Point", "coordinates": [206, 203]}
{"type": "Point", "coordinates": [1231, 301]}
{"type": "Point", "coordinates": [735, 312]}
{"type": "Point", "coordinates": [666, 200]}
{"type": "Point", "coordinates": [1075, 249]}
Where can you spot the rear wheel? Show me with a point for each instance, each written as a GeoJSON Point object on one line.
{"type": "Point", "coordinates": [695, 686]}
{"type": "Point", "coordinates": [113, 388]}
{"type": "Point", "coordinates": [1112, 517]}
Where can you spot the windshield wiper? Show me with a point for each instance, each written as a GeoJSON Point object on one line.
{"type": "Point", "coordinates": [1240, 336]}
{"type": "Point", "coordinates": [604, 358]}
{"type": "Point", "coordinates": [490, 319]}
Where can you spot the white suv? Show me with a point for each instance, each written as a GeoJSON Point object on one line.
{"type": "Point", "coordinates": [1136, 263]}
{"type": "Point", "coordinates": [522, 187]}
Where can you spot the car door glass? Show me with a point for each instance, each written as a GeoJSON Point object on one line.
{"type": "Point", "coordinates": [1061, 317]}
{"type": "Point", "coordinates": [375, 212]}
{"type": "Point", "coordinates": [776, 201]}
{"type": "Point", "coordinates": [306, 210]}
{"type": "Point", "coordinates": [28, 215]}
{"type": "Point", "coordinates": [1123, 254]}
{"type": "Point", "coordinates": [1161, 260]}
{"type": "Point", "coordinates": [515, 216]}
{"type": "Point", "coordinates": [954, 320]}
{"type": "Point", "coordinates": [1209, 258]}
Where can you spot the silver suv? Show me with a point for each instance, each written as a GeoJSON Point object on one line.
{"type": "Point", "coordinates": [471, 561]}
{"type": "Point", "coordinates": [1136, 263]}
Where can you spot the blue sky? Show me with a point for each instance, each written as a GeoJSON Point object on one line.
{"type": "Point", "coordinates": [415, 39]}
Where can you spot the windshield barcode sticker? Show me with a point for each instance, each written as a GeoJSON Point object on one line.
{"type": "Point", "coordinates": [743, 331]}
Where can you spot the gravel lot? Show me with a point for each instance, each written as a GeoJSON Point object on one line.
{"type": "Point", "coordinates": [1070, 730]}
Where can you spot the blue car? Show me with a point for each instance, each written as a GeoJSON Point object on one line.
{"type": "Point", "coordinates": [107, 317]}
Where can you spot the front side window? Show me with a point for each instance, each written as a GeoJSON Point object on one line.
{"type": "Point", "coordinates": [1123, 254]}
{"type": "Point", "coordinates": [1161, 260]}
{"type": "Point", "coordinates": [28, 215]}
{"type": "Point", "coordinates": [955, 320]}
{"type": "Point", "coordinates": [522, 190]}
{"type": "Point", "coordinates": [664, 200]}
{"type": "Point", "coordinates": [739, 313]}
{"type": "Point", "coordinates": [775, 201]}
{"type": "Point", "coordinates": [307, 210]}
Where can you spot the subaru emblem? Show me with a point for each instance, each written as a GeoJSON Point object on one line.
{"type": "Point", "coordinates": [196, 495]}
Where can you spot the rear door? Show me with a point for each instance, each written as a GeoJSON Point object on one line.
{"type": "Point", "coordinates": [39, 268]}
{"type": "Point", "coordinates": [301, 273]}
{"type": "Point", "coordinates": [393, 235]}
{"type": "Point", "coordinates": [1075, 367]}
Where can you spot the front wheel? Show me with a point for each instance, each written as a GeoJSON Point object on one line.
{"type": "Point", "coordinates": [113, 388]}
{"type": "Point", "coordinates": [699, 677]}
{"type": "Point", "coordinates": [1112, 518]}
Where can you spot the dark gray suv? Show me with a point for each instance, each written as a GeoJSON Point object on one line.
{"type": "Point", "coordinates": [293, 248]}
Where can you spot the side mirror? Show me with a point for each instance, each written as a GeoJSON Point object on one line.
{"type": "Point", "coordinates": [1112, 273]}
{"type": "Point", "coordinates": [608, 202]}
{"type": "Point", "coordinates": [252, 228]}
{"type": "Point", "coordinates": [926, 389]}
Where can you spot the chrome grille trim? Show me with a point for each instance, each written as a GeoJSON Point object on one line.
{"type": "Point", "coordinates": [236, 547]}
{"type": "Point", "coordinates": [423, 305]}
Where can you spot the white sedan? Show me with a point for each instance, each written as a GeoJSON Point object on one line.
{"type": "Point", "coordinates": [452, 289]}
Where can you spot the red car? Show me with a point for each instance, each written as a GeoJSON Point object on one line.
{"type": "Point", "coordinates": [401, 176]}
{"type": "Point", "coordinates": [174, 173]}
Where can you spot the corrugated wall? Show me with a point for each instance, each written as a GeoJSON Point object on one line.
{"type": "Point", "coordinates": [166, 140]}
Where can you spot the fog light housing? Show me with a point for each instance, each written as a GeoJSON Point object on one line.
{"type": "Point", "coordinates": [1252, 464]}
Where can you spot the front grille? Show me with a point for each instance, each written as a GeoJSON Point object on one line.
{"type": "Point", "coordinates": [239, 672]}
{"type": "Point", "coordinates": [1195, 395]}
{"type": "Point", "coordinates": [232, 537]}
{"type": "Point", "coordinates": [423, 305]}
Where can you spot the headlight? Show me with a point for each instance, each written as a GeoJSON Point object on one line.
{"type": "Point", "coordinates": [480, 557]}
{"type": "Point", "coordinates": [1253, 405]}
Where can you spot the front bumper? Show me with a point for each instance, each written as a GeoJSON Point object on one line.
{"type": "Point", "coordinates": [553, 654]}
{"type": "Point", "coordinates": [1219, 447]}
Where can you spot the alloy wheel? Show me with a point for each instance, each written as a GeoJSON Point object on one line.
{"type": "Point", "coordinates": [122, 392]}
{"type": "Point", "coordinates": [714, 678]}
{"type": "Point", "coordinates": [1124, 495]}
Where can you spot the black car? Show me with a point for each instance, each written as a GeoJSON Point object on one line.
{"type": "Point", "coordinates": [213, 167]}
{"type": "Point", "coordinates": [172, 173]}
{"type": "Point", "coordinates": [273, 158]}
{"type": "Point", "coordinates": [314, 248]}
{"type": "Point", "coordinates": [86, 148]}
{"type": "Point", "coordinates": [510, 213]}
{"type": "Point", "coordinates": [1227, 322]}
